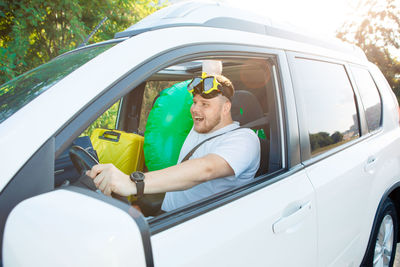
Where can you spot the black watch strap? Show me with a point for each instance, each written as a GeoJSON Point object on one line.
{"type": "Point", "coordinates": [138, 179]}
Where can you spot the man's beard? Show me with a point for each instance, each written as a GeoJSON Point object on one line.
{"type": "Point", "coordinates": [207, 128]}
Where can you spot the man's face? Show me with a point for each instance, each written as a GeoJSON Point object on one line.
{"type": "Point", "coordinates": [206, 113]}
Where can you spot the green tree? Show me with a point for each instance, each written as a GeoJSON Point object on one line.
{"type": "Point", "coordinates": [35, 31]}
{"type": "Point", "coordinates": [106, 121]}
{"type": "Point", "coordinates": [320, 139]}
{"type": "Point", "coordinates": [336, 137]}
{"type": "Point", "coordinates": [376, 30]}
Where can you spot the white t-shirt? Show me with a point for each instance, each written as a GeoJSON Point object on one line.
{"type": "Point", "coordinates": [240, 148]}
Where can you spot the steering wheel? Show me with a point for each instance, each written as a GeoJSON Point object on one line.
{"type": "Point", "coordinates": [83, 161]}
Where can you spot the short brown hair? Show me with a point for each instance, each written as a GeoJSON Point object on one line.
{"type": "Point", "coordinates": [228, 90]}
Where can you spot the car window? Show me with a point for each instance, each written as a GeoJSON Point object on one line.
{"type": "Point", "coordinates": [18, 92]}
{"type": "Point", "coordinates": [151, 91]}
{"type": "Point", "coordinates": [107, 120]}
{"type": "Point", "coordinates": [329, 103]}
{"type": "Point", "coordinates": [369, 96]}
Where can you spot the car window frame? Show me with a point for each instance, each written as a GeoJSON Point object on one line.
{"type": "Point", "coordinates": [288, 125]}
{"type": "Point", "coordinates": [167, 220]}
{"type": "Point", "coordinates": [183, 214]}
{"type": "Point", "coordinates": [366, 132]}
{"type": "Point", "coordinates": [306, 157]}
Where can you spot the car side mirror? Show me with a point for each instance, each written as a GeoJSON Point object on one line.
{"type": "Point", "coordinates": [74, 228]}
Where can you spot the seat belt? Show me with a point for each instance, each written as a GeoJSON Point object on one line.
{"type": "Point", "coordinates": [257, 122]}
{"type": "Point", "coordinates": [188, 155]}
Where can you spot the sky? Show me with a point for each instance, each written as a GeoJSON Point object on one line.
{"type": "Point", "coordinates": [322, 17]}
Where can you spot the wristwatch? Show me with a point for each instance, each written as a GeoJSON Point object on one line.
{"type": "Point", "coordinates": [138, 179]}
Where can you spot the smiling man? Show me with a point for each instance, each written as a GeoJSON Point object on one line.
{"type": "Point", "coordinates": [229, 156]}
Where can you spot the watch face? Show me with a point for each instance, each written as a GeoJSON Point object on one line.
{"type": "Point", "coordinates": [138, 176]}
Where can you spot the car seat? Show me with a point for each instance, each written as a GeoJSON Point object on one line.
{"type": "Point", "coordinates": [246, 109]}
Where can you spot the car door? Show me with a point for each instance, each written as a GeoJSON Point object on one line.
{"type": "Point", "coordinates": [334, 158]}
{"type": "Point", "coordinates": [273, 226]}
{"type": "Point", "coordinates": [271, 222]}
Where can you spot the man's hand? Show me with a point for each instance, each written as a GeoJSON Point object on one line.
{"type": "Point", "coordinates": [109, 179]}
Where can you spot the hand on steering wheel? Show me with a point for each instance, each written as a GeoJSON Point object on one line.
{"type": "Point", "coordinates": [83, 162]}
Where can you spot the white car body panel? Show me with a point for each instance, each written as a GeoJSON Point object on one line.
{"type": "Point", "coordinates": [341, 186]}
{"type": "Point", "coordinates": [238, 235]}
{"type": "Point", "coordinates": [97, 234]}
{"type": "Point", "coordinates": [199, 13]}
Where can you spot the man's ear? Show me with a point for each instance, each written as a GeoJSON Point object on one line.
{"type": "Point", "coordinates": [227, 106]}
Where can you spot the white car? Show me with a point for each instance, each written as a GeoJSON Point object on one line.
{"type": "Point", "coordinates": [328, 191]}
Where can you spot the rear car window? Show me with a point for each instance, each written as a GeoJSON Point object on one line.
{"type": "Point", "coordinates": [329, 103]}
{"type": "Point", "coordinates": [370, 97]}
{"type": "Point", "coordinates": [20, 91]}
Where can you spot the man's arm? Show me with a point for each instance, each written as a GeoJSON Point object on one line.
{"type": "Point", "coordinates": [179, 177]}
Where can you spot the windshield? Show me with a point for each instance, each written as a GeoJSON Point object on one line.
{"type": "Point", "coordinates": [20, 91]}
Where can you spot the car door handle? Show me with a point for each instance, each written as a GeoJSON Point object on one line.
{"type": "Point", "coordinates": [369, 165]}
{"type": "Point", "coordinates": [290, 222]}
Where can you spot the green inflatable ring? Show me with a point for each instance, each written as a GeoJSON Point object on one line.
{"type": "Point", "coordinates": [168, 124]}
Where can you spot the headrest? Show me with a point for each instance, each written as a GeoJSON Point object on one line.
{"type": "Point", "coordinates": [245, 107]}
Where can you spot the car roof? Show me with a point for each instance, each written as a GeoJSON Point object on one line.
{"type": "Point", "coordinates": [220, 15]}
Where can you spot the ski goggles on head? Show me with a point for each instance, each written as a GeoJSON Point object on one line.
{"type": "Point", "coordinates": [207, 87]}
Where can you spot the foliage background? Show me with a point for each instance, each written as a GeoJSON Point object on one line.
{"type": "Point", "coordinates": [34, 31]}
{"type": "Point", "coordinates": [376, 30]}
{"type": "Point", "coordinates": [106, 121]}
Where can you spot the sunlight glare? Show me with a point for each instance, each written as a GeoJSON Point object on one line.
{"type": "Point", "coordinates": [321, 17]}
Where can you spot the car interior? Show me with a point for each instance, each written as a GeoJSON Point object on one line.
{"type": "Point", "coordinates": [105, 140]}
